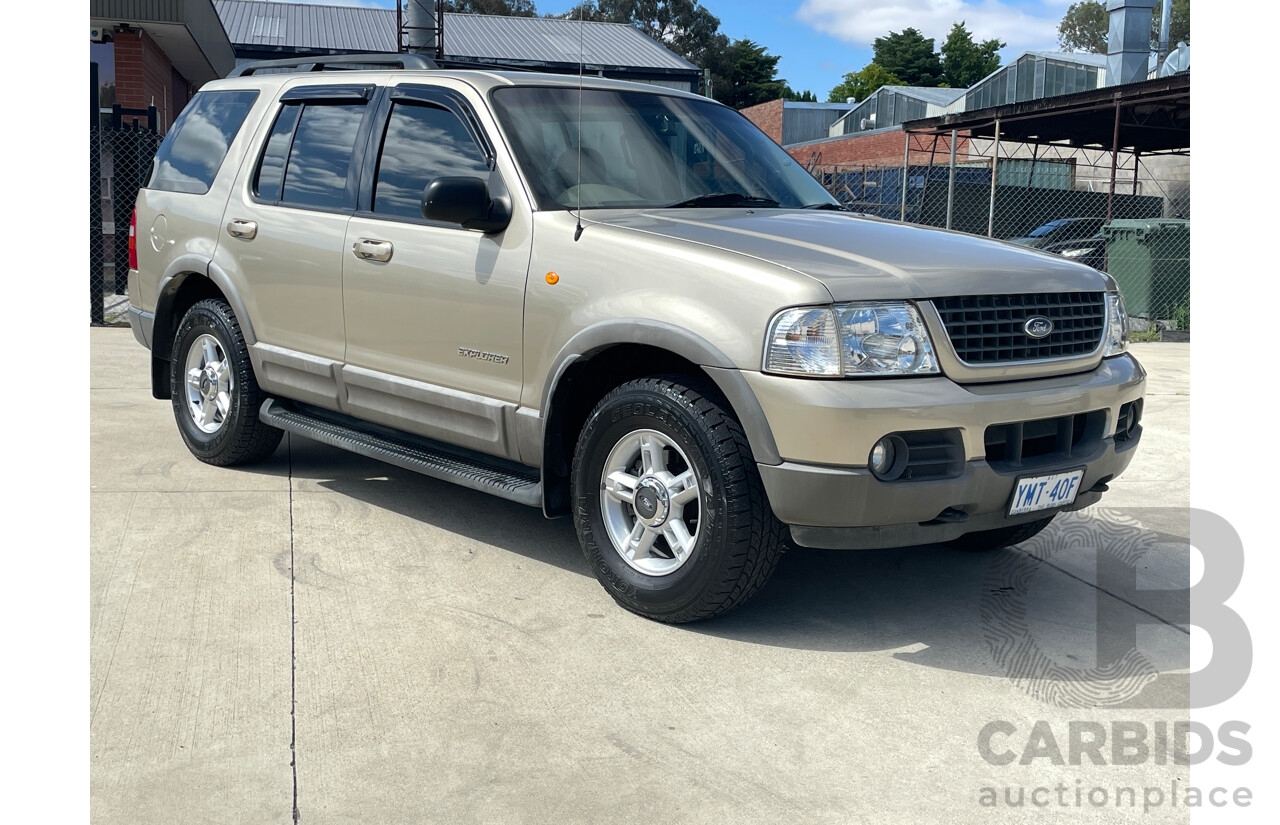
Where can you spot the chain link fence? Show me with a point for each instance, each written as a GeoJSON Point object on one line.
{"type": "Point", "coordinates": [1055, 198]}
{"type": "Point", "coordinates": [120, 163]}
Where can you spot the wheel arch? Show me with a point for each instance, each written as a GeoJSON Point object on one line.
{"type": "Point", "coordinates": [189, 279]}
{"type": "Point", "coordinates": [603, 357]}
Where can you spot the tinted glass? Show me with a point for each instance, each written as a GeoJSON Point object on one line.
{"type": "Point", "coordinates": [320, 160]}
{"type": "Point", "coordinates": [271, 171]}
{"type": "Point", "coordinates": [195, 147]}
{"type": "Point", "coordinates": [422, 143]}
{"type": "Point", "coordinates": [604, 149]}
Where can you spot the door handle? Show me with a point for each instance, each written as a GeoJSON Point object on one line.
{"type": "Point", "coordinates": [243, 229]}
{"type": "Point", "coordinates": [371, 250]}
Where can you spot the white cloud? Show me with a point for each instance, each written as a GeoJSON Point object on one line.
{"type": "Point", "coordinates": [1031, 25]}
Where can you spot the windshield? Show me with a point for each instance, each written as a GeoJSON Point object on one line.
{"type": "Point", "coordinates": [643, 150]}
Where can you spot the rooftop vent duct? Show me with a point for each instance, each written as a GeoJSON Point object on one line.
{"type": "Point", "coordinates": [1128, 40]}
{"type": "Point", "coordinates": [420, 25]}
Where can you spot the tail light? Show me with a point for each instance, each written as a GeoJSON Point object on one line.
{"type": "Point", "coordinates": [133, 240]}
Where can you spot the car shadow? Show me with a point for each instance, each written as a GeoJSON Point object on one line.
{"type": "Point", "coordinates": [932, 606]}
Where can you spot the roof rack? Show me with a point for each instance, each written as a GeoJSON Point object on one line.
{"type": "Point", "coordinates": [322, 62]}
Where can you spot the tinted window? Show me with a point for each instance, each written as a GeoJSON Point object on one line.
{"type": "Point", "coordinates": [271, 171]}
{"type": "Point", "coordinates": [320, 160]}
{"type": "Point", "coordinates": [422, 143]}
{"type": "Point", "coordinates": [195, 147]}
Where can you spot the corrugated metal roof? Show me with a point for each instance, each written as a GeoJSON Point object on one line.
{"type": "Point", "coordinates": [929, 94]}
{"type": "Point", "coordinates": [516, 39]}
{"type": "Point", "coordinates": [1083, 58]}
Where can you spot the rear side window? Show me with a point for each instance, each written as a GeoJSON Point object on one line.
{"type": "Point", "coordinates": [423, 142]}
{"type": "Point", "coordinates": [308, 157]}
{"type": "Point", "coordinates": [189, 158]}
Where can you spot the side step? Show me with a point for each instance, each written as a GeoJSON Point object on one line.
{"type": "Point", "coordinates": [485, 473]}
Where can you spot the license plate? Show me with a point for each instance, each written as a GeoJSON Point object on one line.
{"type": "Point", "coordinates": [1045, 492]}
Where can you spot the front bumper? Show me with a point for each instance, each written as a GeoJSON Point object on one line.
{"type": "Point", "coordinates": [825, 431]}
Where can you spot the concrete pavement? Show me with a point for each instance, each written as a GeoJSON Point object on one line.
{"type": "Point", "coordinates": [327, 634]}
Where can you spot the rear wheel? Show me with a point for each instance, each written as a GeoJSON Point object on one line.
{"type": "Point", "coordinates": [214, 391]}
{"type": "Point", "coordinates": [1002, 537]}
{"type": "Point", "coordinates": [669, 506]}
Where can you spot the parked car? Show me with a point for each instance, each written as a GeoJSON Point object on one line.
{"type": "Point", "coordinates": [1091, 251]}
{"type": "Point", "coordinates": [1063, 229]}
{"type": "Point", "coordinates": [622, 304]}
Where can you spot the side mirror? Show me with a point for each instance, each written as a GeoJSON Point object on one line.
{"type": "Point", "coordinates": [465, 201]}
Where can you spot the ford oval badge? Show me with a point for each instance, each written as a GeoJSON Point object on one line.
{"type": "Point", "coordinates": [1038, 326]}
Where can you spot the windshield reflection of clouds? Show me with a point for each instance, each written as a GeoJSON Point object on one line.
{"type": "Point", "coordinates": [189, 158]}
{"type": "Point", "coordinates": [422, 143]}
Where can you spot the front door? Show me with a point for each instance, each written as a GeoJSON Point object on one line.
{"type": "Point", "coordinates": [434, 312]}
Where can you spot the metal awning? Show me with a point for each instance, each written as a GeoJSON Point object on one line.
{"type": "Point", "coordinates": [1152, 116]}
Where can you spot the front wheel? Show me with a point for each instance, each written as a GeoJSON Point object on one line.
{"type": "Point", "coordinates": [215, 394]}
{"type": "Point", "coordinates": [670, 509]}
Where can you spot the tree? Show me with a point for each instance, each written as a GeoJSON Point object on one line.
{"type": "Point", "coordinates": [751, 76]}
{"type": "Point", "coordinates": [909, 55]}
{"type": "Point", "coordinates": [965, 62]}
{"type": "Point", "coordinates": [1084, 26]}
{"type": "Point", "coordinates": [859, 85]}
{"type": "Point", "coordinates": [800, 97]}
{"type": "Point", "coordinates": [509, 8]}
{"type": "Point", "coordinates": [683, 26]}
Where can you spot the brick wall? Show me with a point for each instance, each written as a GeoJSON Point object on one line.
{"type": "Point", "coordinates": [879, 149]}
{"type": "Point", "coordinates": [767, 116]}
{"type": "Point", "coordinates": [144, 76]}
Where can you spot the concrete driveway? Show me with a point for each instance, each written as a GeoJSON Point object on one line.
{"type": "Point", "coordinates": [326, 639]}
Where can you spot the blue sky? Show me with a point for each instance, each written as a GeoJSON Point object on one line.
{"type": "Point", "coordinates": [820, 40]}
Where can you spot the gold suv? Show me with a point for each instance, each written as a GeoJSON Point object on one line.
{"type": "Point", "coordinates": [618, 303]}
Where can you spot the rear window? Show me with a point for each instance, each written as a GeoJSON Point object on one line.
{"type": "Point", "coordinates": [195, 147]}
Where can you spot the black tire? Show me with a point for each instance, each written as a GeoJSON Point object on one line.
{"type": "Point", "coordinates": [737, 541]}
{"type": "Point", "coordinates": [996, 539]}
{"type": "Point", "coordinates": [233, 436]}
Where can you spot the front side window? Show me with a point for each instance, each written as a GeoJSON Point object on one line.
{"type": "Point", "coordinates": [189, 158]}
{"type": "Point", "coordinates": [422, 142]}
{"type": "Point", "coordinates": [604, 149]}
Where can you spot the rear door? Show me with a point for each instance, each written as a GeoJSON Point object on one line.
{"type": "Point", "coordinates": [434, 312]}
{"type": "Point", "coordinates": [283, 235]}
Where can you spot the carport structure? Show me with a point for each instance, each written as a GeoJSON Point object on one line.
{"type": "Point", "coordinates": [1108, 130]}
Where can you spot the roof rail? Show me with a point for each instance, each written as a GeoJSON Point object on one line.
{"type": "Point", "coordinates": [321, 62]}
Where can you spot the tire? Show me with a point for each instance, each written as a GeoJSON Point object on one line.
{"type": "Point", "coordinates": [214, 391]}
{"type": "Point", "coordinates": [997, 539]}
{"type": "Point", "coordinates": [662, 463]}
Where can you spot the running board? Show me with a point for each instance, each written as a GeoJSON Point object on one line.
{"type": "Point", "coordinates": [488, 474]}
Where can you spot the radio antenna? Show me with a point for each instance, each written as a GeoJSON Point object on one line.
{"type": "Point", "coordinates": [577, 232]}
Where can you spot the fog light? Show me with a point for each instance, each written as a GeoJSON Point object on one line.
{"type": "Point", "coordinates": [888, 458]}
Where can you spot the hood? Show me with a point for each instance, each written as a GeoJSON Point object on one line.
{"type": "Point", "coordinates": [859, 258]}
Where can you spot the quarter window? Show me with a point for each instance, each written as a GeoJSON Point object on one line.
{"type": "Point", "coordinates": [189, 158]}
{"type": "Point", "coordinates": [422, 142]}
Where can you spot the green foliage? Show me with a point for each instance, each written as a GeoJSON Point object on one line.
{"type": "Point", "coordinates": [909, 55]}
{"type": "Point", "coordinates": [509, 8]}
{"type": "Point", "coordinates": [749, 76]}
{"type": "Point", "coordinates": [1084, 26]}
{"type": "Point", "coordinates": [858, 85]}
{"type": "Point", "coordinates": [1182, 314]}
{"type": "Point", "coordinates": [965, 62]}
{"type": "Point", "coordinates": [800, 97]}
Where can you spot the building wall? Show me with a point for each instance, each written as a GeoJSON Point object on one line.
{"type": "Point", "coordinates": [145, 76]}
{"type": "Point", "coordinates": [878, 149]}
{"type": "Point", "coordinates": [767, 116]}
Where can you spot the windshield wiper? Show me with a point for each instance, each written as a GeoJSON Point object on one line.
{"type": "Point", "coordinates": [724, 199]}
{"type": "Point", "coordinates": [835, 207]}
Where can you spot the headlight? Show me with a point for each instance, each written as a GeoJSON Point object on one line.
{"type": "Point", "coordinates": [1117, 340]}
{"type": "Point", "coordinates": [1075, 253]}
{"type": "Point", "coordinates": [873, 338]}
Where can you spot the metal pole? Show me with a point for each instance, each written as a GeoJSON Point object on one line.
{"type": "Point", "coordinates": [906, 157]}
{"type": "Point", "coordinates": [1136, 166]}
{"type": "Point", "coordinates": [1115, 154]}
{"type": "Point", "coordinates": [995, 161]}
{"type": "Point", "coordinates": [951, 179]}
{"type": "Point", "coordinates": [95, 202]}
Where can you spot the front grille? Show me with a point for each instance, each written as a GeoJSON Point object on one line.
{"type": "Point", "coordinates": [1027, 444]}
{"type": "Point", "coordinates": [990, 329]}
